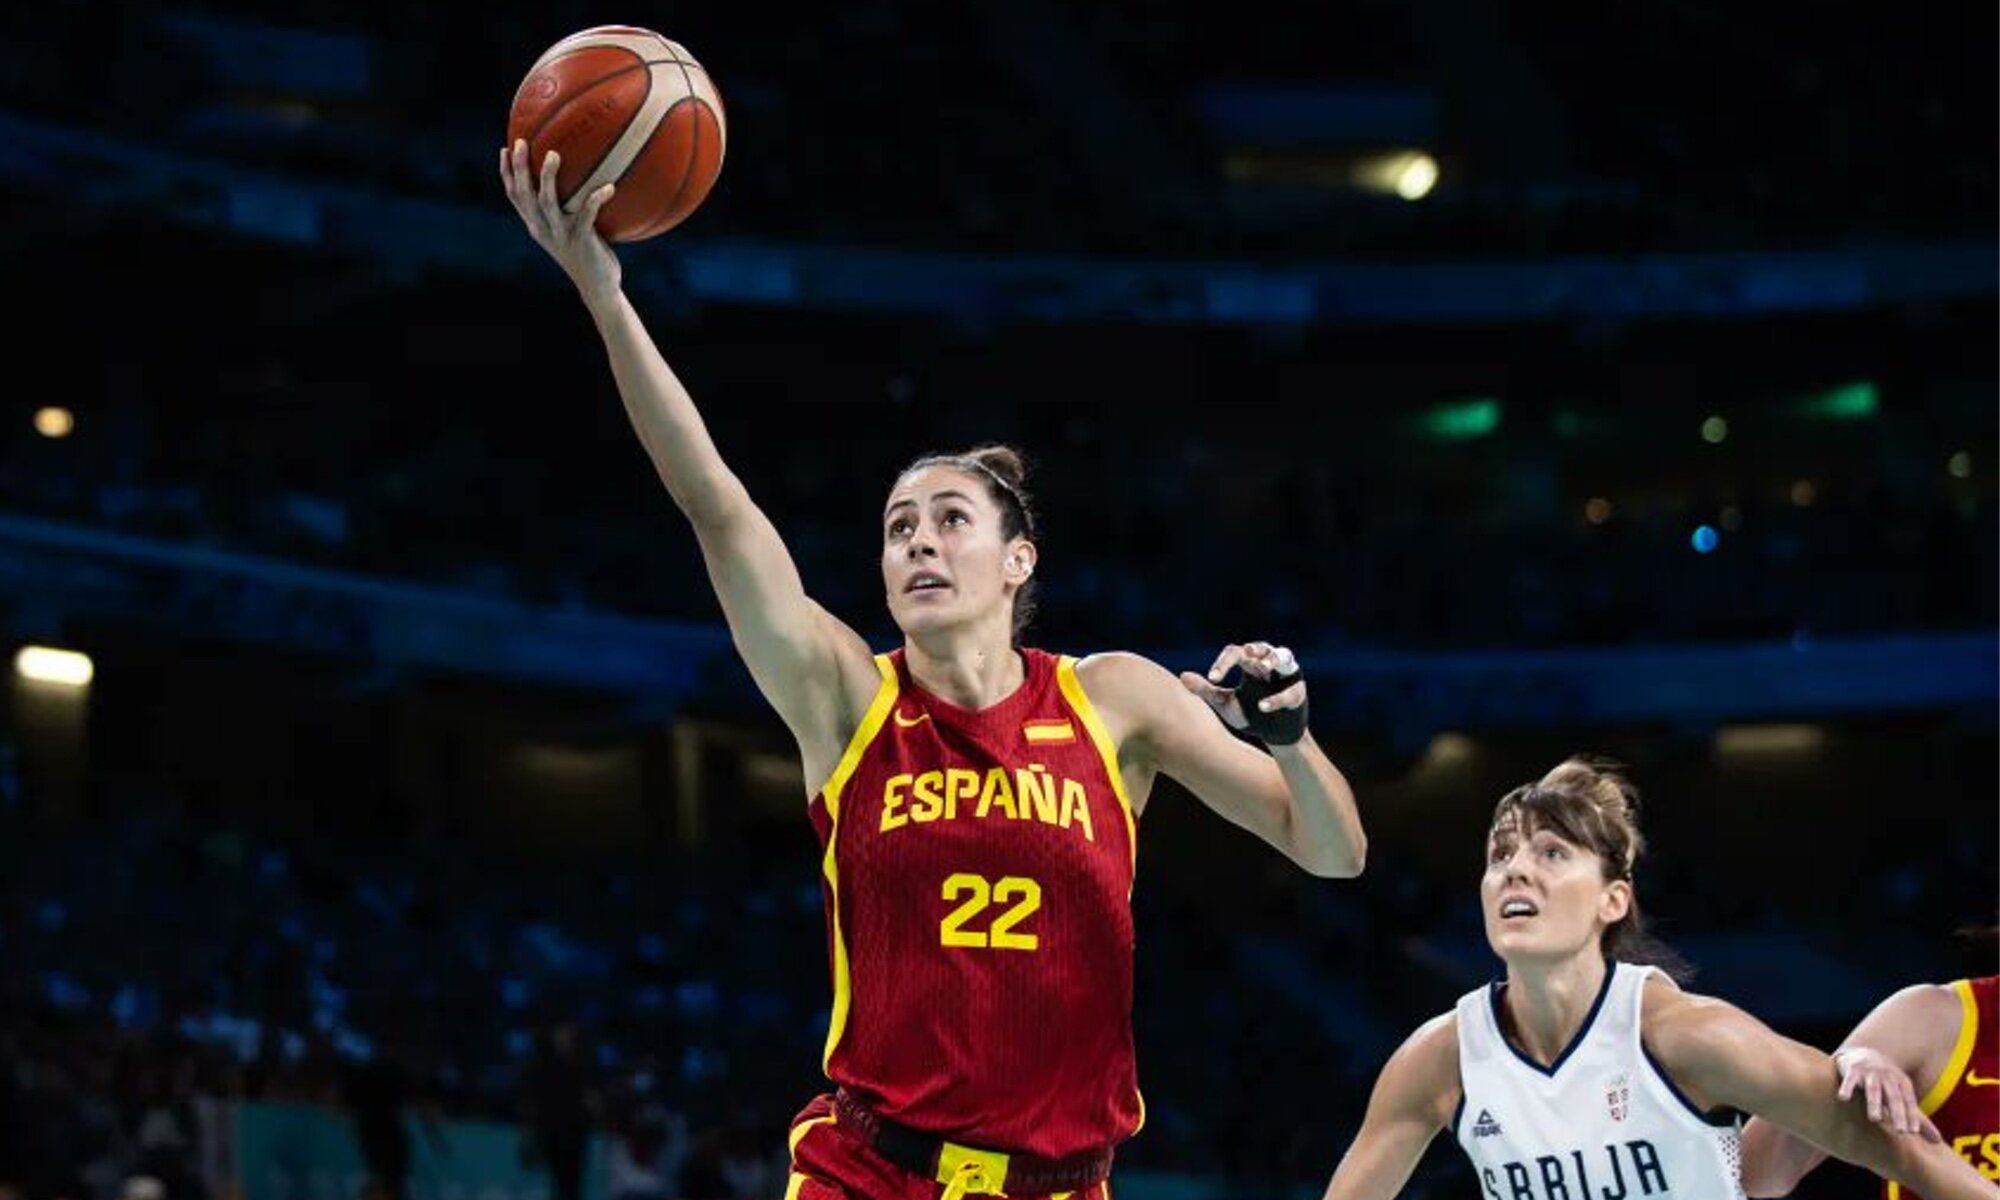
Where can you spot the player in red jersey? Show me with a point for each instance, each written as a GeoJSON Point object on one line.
{"type": "Point", "coordinates": [1927, 1060]}
{"type": "Point", "coordinates": [977, 802]}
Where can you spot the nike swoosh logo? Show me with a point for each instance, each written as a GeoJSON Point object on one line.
{"type": "Point", "coordinates": [1977, 1080]}
{"type": "Point", "coordinates": [919, 719]}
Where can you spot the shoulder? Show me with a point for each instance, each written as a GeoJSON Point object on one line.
{"type": "Point", "coordinates": [1422, 1075]}
{"type": "Point", "coordinates": [1433, 1045]}
{"type": "Point", "coordinates": [1120, 675]}
{"type": "Point", "coordinates": [1697, 1035]}
{"type": "Point", "coordinates": [1127, 689]}
{"type": "Point", "coordinates": [1917, 1028]}
{"type": "Point", "coordinates": [1925, 1005]}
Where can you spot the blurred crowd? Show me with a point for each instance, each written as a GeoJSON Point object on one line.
{"type": "Point", "coordinates": [157, 969]}
{"type": "Point", "coordinates": [980, 127]}
{"type": "Point", "coordinates": [1192, 484]}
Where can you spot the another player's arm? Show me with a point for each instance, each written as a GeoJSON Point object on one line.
{"type": "Point", "coordinates": [1293, 797]}
{"type": "Point", "coordinates": [1414, 1097]}
{"type": "Point", "coordinates": [1910, 1034]}
{"type": "Point", "coordinates": [1722, 1056]}
{"type": "Point", "coordinates": [815, 671]}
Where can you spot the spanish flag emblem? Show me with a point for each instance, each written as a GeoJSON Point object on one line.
{"type": "Point", "coordinates": [1041, 733]}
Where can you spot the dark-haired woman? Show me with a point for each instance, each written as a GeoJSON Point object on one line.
{"type": "Point", "coordinates": [977, 800]}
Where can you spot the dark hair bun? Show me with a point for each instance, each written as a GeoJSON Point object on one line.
{"type": "Point", "coordinates": [1004, 461]}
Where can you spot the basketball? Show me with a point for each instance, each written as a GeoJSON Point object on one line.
{"type": "Point", "coordinates": [623, 106]}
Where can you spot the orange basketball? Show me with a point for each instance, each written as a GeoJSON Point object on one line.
{"type": "Point", "coordinates": [624, 106]}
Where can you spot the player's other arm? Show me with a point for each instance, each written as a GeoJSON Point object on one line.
{"type": "Point", "coordinates": [1721, 1055]}
{"type": "Point", "coordinates": [1414, 1097]}
{"type": "Point", "coordinates": [815, 671]}
{"type": "Point", "coordinates": [1294, 797]}
{"type": "Point", "coordinates": [1893, 1054]}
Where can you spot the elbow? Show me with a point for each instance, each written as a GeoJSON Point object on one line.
{"type": "Point", "coordinates": [1345, 863]}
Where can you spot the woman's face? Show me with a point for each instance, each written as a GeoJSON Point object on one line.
{"type": "Point", "coordinates": [945, 559]}
{"type": "Point", "coordinates": [1545, 898]}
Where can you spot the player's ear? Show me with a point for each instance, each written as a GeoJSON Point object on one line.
{"type": "Point", "coordinates": [1020, 560]}
{"type": "Point", "coordinates": [1617, 902]}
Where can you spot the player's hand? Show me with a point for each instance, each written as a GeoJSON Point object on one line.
{"type": "Point", "coordinates": [1259, 660]}
{"type": "Point", "coordinates": [570, 238]}
{"type": "Point", "coordinates": [1891, 1097]}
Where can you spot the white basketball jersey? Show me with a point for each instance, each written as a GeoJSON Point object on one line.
{"type": "Point", "coordinates": [1602, 1123]}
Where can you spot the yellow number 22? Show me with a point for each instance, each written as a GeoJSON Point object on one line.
{"type": "Point", "coordinates": [1000, 936]}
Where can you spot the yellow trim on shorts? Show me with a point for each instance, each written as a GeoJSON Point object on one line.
{"type": "Point", "coordinates": [1072, 690]}
{"type": "Point", "coordinates": [792, 1186]}
{"type": "Point", "coordinates": [871, 725]}
{"type": "Point", "coordinates": [801, 1129]}
{"type": "Point", "coordinates": [1961, 1051]}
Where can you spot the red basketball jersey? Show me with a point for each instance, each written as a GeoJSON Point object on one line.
{"type": "Point", "coordinates": [978, 879]}
{"type": "Point", "coordinates": [1964, 1103]}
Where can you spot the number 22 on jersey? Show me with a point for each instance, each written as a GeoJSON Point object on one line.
{"type": "Point", "coordinates": [978, 894]}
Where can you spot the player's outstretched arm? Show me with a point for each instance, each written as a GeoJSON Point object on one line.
{"type": "Point", "coordinates": [815, 671]}
{"type": "Point", "coordinates": [1413, 1099]}
{"type": "Point", "coordinates": [1901, 1043]}
{"type": "Point", "coordinates": [1721, 1055]}
{"type": "Point", "coordinates": [1294, 797]}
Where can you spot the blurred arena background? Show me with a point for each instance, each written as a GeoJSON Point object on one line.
{"type": "Point", "coordinates": [1618, 379]}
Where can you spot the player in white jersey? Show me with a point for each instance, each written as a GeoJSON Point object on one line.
{"type": "Point", "coordinates": [1584, 1077]}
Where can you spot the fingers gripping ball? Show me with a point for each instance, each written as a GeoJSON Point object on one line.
{"type": "Point", "coordinates": [623, 106]}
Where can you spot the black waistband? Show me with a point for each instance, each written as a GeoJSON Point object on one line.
{"type": "Point", "coordinates": [918, 1153]}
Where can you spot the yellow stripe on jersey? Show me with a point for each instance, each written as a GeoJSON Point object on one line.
{"type": "Point", "coordinates": [1072, 690]}
{"type": "Point", "coordinates": [871, 725]}
{"type": "Point", "coordinates": [1961, 1051]}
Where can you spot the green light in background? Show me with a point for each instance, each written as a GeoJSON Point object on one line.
{"type": "Point", "coordinates": [1848, 402]}
{"type": "Point", "coordinates": [1714, 430]}
{"type": "Point", "coordinates": [1463, 420]}
{"type": "Point", "coordinates": [1566, 423]}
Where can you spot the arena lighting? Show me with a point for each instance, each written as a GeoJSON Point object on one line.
{"type": "Point", "coordinates": [54, 422]}
{"type": "Point", "coordinates": [1849, 402]}
{"type": "Point", "coordinates": [1449, 749]}
{"type": "Point", "coordinates": [1418, 176]}
{"type": "Point", "coordinates": [1769, 739]}
{"type": "Point", "coordinates": [1714, 430]}
{"type": "Point", "coordinates": [44, 664]}
{"type": "Point", "coordinates": [1959, 465]}
{"type": "Point", "coordinates": [1462, 420]}
{"type": "Point", "coordinates": [1704, 539]}
{"type": "Point", "coordinates": [1410, 174]}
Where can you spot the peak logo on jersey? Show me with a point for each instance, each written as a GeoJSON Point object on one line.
{"type": "Point", "coordinates": [1618, 1097]}
{"type": "Point", "coordinates": [1485, 1126]}
{"type": "Point", "coordinates": [1975, 1079]}
{"type": "Point", "coordinates": [1030, 793]}
{"type": "Point", "coordinates": [910, 722]}
{"type": "Point", "coordinates": [1042, 733]}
